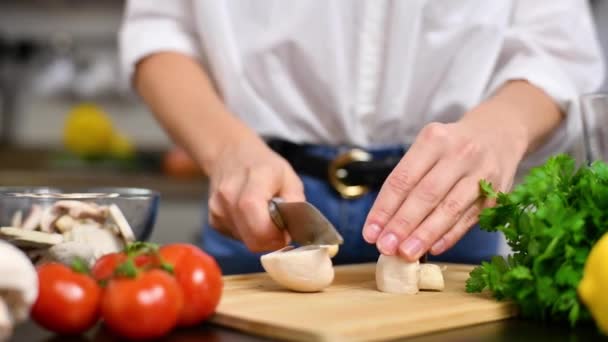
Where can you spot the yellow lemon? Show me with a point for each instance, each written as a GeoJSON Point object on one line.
{"type": "Point", "coordinates": [592, 288]}
{"type": "Point", "coordinates": [88, 130]}
{"type": "Point", "coordinates": [121, 146]}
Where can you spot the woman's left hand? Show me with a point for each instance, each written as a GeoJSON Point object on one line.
{"type": "Point", "coordinates": [432, 197]}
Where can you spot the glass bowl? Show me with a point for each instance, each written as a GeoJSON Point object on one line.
{"type": "Point", "coordinates": [138, 205]}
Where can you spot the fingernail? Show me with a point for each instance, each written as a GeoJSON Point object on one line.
{"type": "Point", "coordinates": [438, 247]}
{"type": "Point", "coordinates": [371, 232]}
{"type": "Point", "coordinates": [412, 248]}
{"type": "Point", "coordinates": [388, 244]}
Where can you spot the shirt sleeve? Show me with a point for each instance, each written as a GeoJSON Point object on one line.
{"type": "Point", "coordinates": [553, 45]}
{"type": "Point", "coordinates": [151, 26]}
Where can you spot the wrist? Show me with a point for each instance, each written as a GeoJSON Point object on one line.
{"type": "Point", "coordinates": [211, 148]}
{"type": "Point", "coordinates": [496, 120]}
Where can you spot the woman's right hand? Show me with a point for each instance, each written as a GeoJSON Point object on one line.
{"type": "Point", "coordinates": [245, 175]}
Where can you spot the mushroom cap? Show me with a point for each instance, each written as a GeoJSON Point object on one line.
{"type": "Point", "coordinates": [304, 269]}
{"type": "Point", "coordinates": [395, 275]}
{"type": "Point", "coordinates": [67, 252]}
{"type": "Point", "coordinates": [18, 278]}
{"type": "Point", "coordinates": [100, 241]}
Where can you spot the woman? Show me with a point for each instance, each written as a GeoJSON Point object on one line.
{"type": "Point", "coordinates": [267, 95]}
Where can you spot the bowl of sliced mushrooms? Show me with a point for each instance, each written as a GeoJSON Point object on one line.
{"type": "Point", "coordinates": [52, 224]}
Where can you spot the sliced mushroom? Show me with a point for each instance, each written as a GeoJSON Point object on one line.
{"type": "Point", "coordinates": [123, 225]}
{"type": "Point", "coordinates": [431, 277]}
{"type": "Point", "coordinates": [65, 223]}
{"type": "Point", "coordinates": [28, 238]}
{"type": "Point", "coordinates": [81, 210]}
{"type": "Point", "coordinates": [100, 241]}
{"type": "Point", "coordinates": [18, 288]}
{"type": "Point", "coordinates": [67, 252]}
{"type": "Point", "coordinates": [332, 250]}
{"type": "Point", "coordinates": [304, 269]}
{"type": "Point", "coordinates": [48, 219]}
{"type": "Point", "coordinates": [17, 219]}
{"type": "Point", "coordinates": [395, 275]}
{"type": "Point", "coordinates": [32, 220]}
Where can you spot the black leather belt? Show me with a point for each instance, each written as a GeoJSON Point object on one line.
{"type": "Point", "coordinates": [352, 173]}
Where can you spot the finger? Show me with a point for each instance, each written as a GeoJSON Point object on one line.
{"type": "Point", "coordinates": [444, 216]}
{"type": "Point", "coordinates": [423, 199]}
{"type": "Point", "coordinates": [292, 190]}
{"type": "Point", "coordinates": [419, 159]}
{"type": "Point", "coordinates": [254, 223]}
{"type": "Point", "coordinates": [223, 228]}
{"type": "Point", "coordinates": [222, 201]}
{"type": "Point", "coordinates": [468, 219]}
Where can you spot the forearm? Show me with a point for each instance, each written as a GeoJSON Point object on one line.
{"type": "Point", "coordinates": [181, 96]}
{"type": "Point", "coordinates": [526, 113]}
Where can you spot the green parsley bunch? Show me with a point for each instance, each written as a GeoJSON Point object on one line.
{"type": "Point", "coordinates": [551, 221]}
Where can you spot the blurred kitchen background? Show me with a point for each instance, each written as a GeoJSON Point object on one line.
{"type": "Point", "coordinates": [61, 100]}
{"type": "Point", "coordinates": [66, 121]}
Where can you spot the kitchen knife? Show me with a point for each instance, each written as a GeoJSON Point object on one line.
{"type": "Point", "coordinates": [305, 224]}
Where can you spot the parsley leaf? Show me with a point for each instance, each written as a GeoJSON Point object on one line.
{"type": "Point", "coordinates": [550, 221]}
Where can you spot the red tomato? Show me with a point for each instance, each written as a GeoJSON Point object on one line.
{"type": "Point", "coordinates": [144, 307]}
{"type": "Point", "coordinates": [106, 265]}
{"type": "Point", "coordinates": [68, 302]}
{"type": "Point", "coordinates": [200, 279]}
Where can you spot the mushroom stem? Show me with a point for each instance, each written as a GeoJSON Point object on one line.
{"type": "Point", "coordinates": [6, 321]}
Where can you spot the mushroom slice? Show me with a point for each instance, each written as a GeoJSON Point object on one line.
{"type": "Point", "coordinates": [17, 219]}
{"type": "Point", "coordinates": [18, 288]}
{"type": "Point", "coordinates": [100, 241]}
{"type": "Point", "coordinates": [122, 223]}
{"type": "Point", "coordinates": [65, 223]}
{"type": "Point", "coordinates": [48, 218]}
{"type": "Point", "coordinates": [32, 220]}
{"type": "Point", "coordinates": [304, 269]}
{"type": "Point", "coordinates": [332, 250]}
{"type": "Point", "coordinates": [431, 277]}
{"type": "Point", "coordinates": [81, 210]}
{"type": "Point", "coordinates": [395, 275]}
{"type": "Point", "coordinates": [69, 251]}
{"type": "Point", "coordinates": [28, 238]}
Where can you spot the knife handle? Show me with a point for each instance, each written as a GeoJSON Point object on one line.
{"type": "Point", "coordinates": [275, 215]}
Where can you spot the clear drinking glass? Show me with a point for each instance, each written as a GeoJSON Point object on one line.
{"type": "Point", "coordinates": [594, 112]}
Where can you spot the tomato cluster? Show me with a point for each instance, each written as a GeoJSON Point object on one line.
{"type": "Point", "coordinates": [141, 293]}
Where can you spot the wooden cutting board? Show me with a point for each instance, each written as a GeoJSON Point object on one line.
{"type": "Point", "coordinates": [352, 309]}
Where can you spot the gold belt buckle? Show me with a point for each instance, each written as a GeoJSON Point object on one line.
{"type": "Point", "coordinates": [337, 173]}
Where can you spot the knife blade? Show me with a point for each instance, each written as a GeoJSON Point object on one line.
{"type": "Point", "coordinates": [304, 222]}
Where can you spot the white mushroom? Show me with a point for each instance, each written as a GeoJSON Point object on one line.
{"type": "Point", "coordinates": [332, 250]}
{"type": "Point", "coordinates": [29, 238]}
{"type": "Point", "coordinates": [32, 220]}
{"type": "Point", "coordinates": [17, 219]}
{"type": "Point", "coordinates": [431, 277]}
{"type": "Point", "coordinates": [81, 210]}
{"type": "Point", "coordinates": [18, 288]}
{"type": "Point", "coordinates": [123, 225]}
{"type": "Point", "coordinates": [304, 269]}
{"type": "Point", "coordinates": [395, 275]}
{"type": "Point", "coordinates": [48, 218]}
{"type": "Point", "coordinates": [67, 252]}
{"type": "Point", "coordinates": [65, 223]}
{"type": "Point", "coordinates": [100, 241]}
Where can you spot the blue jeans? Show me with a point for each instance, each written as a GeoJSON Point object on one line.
{"type": "Point", "coordinates": [348, 216]}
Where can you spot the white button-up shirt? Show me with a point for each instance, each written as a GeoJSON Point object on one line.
{"type": "Point", "coordinates": [372, 72]}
